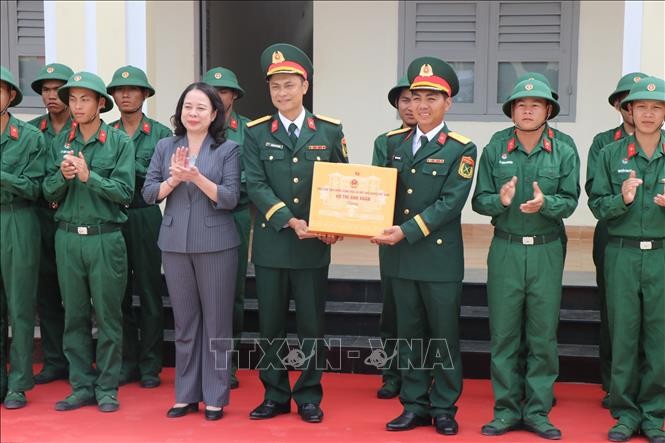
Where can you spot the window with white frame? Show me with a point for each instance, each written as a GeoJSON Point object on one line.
{"type": "Point", "coordinates": [490, 44]}
{"type": "Point", "coordinates": [22, 46]}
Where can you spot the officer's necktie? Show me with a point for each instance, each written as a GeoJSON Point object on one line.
{"type": "Point", "coordinates": [292, 133]}
{"type": "Point", "coordinates": [423, 142]}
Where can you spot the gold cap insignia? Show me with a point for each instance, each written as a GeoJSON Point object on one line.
{"type": "Point", "coordinates": [218, 75]}
{"type": "Point", "coordinates": [425, 70]}
{"type": "Point", "coordinates": [528, 86]}
{"type": "Point", "coordinates": [636, 79]}
{"type": "Point", "coordinates": [50, 69]}
{"type": "Point", "coordinates": [125, 74]}
{"type": "Point", "coordinates": [651, 87]}
{"type": "Point", "coordinates": [77, 78]}
{"type": "Point", "coordinates": [277, 57]}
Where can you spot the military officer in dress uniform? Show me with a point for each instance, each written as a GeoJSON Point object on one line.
{"type": "Point", "coordinates": [399, 97]}
{"type": "Point", "coordinates": [229, 91]}
{"type": "Point", "coordinates": [280, 151]}
{"type": "Point", "coordinates": [22, 169]}
{"type": "Point", "coordinates": [141, 359]}
{"type": "Point", "coordinates": [628, 193]}
{"type": "Point", "coordinates": [92, 180]}
{"type": "Point", "coordinates": [600, 233]}
{"type": "Point", "coordinates": [425, 260]}
{"type": "Point", "coordinates": [49, 302]}
{"type": "Point", "coordinates": [527, 184]}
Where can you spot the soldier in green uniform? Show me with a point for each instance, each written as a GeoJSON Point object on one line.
{"type": "Point", "coordinates": [527, 184]}
{"type": "Point", "coordinates": [141, 359]}
{"type": "Point", "coordinates": [280, 151]}
{"type": "Point", "coordinates": [425, 260]}
{"type": "Point", "coordinates": [628, 193]}
{"type": "Point", "coordinates": [22, 169]}
{"type": "Point", "coordinates": [91, 176]}
{"type": "Point", "coordinates": [49, 302]}
{"type": "Point", "coordinates": [600, 233]}
{"type": "Point", "coordinates": [229, 91]}
{"type": "Point", "coordinates": [399, 97]}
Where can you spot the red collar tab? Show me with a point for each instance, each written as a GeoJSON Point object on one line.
{"type": "Point", "coordinates": [550, 132]}
{"type": "Point", "coordinates": [117, 125]}
{"type": "Point", "coordinates": [442, 138]}
{"type": "Point", "coordinates": [13, 132]}
{"type": "Point", "coordinates": [43, 124]}
{"type": "Point", "coordinates": [102, 136]}
{"type": "Point", "coordinates": [274, 126]}
{"type": "Point", "coordinates": [632, 150]}
{"type": "Point", "coordinates": [72, 132]}
{"type": "Point", "coordinates": [547, 145]}
{"type": "Point", "coordinates": [146, 128]}
{"type": "Point", "coordinates": [409, 135]}
{"type": "Point", "coordinates": [310, 123]}
{"type": "Point", "coordinates": [617, 134]}
{"type": "Point", "coordinates": [511, 145]}
{"type": "Point", "coordinates": [233, 123]}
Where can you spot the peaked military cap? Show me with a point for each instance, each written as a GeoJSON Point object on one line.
{"type": "Point", "coordinates": [283, 58]}
{"type": "Point", "coordinates": [434, 74]}
{"type": "Point", "coordinates": [625, 83]}
{"type": "Point", "coordinates": [52, 71]}
{"type": "Point", "coordinates": [130, 76]}
{"type": "Point", "coordinates": [223, 78]}
{"type": "Point", "coordinates": [531, 89]}
{"type": "Point", "coordinates": [540, 77]}
{"type": "Point", "coordinates": [396, 90]}
{"type": "Point", "coordinates": [649, 88]}
{"type": "Point", "coordinates": [7, 77]}
{"type": "Point", "coordinates": [86, 80]}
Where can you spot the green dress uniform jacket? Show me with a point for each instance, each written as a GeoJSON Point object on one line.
{"type": "Point", "coordinates": [635, 281]}
{"type": "Point", "coordinates": [91, 253]}
{"type": "Point", "coordinates": [22, 168]}
{"type": "Point", "coordinates": [525, 267]}
{"type": "Point", "coordinates": [49, 301]}
{"type": "Point", "coordinates": [143, 357]}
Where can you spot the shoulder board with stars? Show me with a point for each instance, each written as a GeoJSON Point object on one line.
{"type": "Point", "coordinates": [397, 131]}
{"type": "Point", "coordinates": [13, 132]}
{"type": "Point", "coordinates": [459, 137]}
{"type": "Point", "coordinates": [43, 124]}
{"type": "Point", "coordinates": [334, 121]}
{"type": "Point", "coordinates": [259, 121]}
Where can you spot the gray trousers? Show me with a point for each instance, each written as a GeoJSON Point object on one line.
{"type": "Point", "coordinates": [201, 288]}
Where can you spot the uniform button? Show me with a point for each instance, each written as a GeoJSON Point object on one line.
{"type": "Point", "coordinates": [263, 225]}
{"type": "Point", "coordinates": [318, 159]}
{"type": "Point", "coordinates": [409, 191]}
{"type": "Point", "coordinates": [406, 212]}
{"type": "Point", "coordinates": [413, 170]}
{"type": "Point", "coordinates": [433, 172]}
{"type": "Point", "coordinates": [296, 200]}
{"type": "Point", "coordinates": [270, 157]}
{"type": "Point", "coordinates": [439, 241]}
{"type": "Point", "coordinates": [295, 159]}
{"type": "Point", "coordinates": [296, 179]}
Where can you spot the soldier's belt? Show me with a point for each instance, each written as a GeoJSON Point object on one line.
{"type": "Point", "coordinates": [527, 240]}
{"type": "Point", "coordinates": [89, 229]}
{"type": "Point", "coordinates": [14, 206]}
{"type": "Point", "coordinates": [645, 245]}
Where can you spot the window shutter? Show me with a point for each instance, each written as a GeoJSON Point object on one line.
{"type": "Point", "coordinates": [30, 23]}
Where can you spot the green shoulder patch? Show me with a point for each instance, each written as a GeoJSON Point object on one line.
{"type": "Point", "coordinates": [334, 121]}
{"type": "Point", "coordinates": [459, 137]}
{"type": "Point", "coordinates": [259, 120]}
{"type": "Point", "coordinates": [397, 131]}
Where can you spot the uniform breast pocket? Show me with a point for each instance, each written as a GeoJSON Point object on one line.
{"type": "Point", "coordinates": [435, 173]}
{"type": "Point", "coordinates": [10, 165]}
{"type": "Point", "coordinates": [322, 155]}
{"type": "Point", "coordinates": [503, 174]}
{"type": "Point", "coordinates": [102, 166]}
{"type": "Point", "coordinates": [271, 155]}
{"type": "Point", "coordinates": [548, 180]}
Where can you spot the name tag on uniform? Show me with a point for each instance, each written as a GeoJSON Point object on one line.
{"type": "Point", "coordinates": [505, 162]}
{"type": "Point", "coordinates": [435, 160]}
{"type": "Point", "coordinates": [273, 145]}
{"type": "Point", "coordinates": [397, 157]}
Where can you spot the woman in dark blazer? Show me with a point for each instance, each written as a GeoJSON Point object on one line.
{"type": "Point", "coordinates": [198, 172]}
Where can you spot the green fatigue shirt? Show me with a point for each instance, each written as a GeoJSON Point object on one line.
{"type": "Point", "coordinates": [235, 131]}
{"type": "Point", "coordinates": [599, 142]}
{"type": "Point", "coordinates": [279, 183]}
{"type": "Point", "coordinates": [43, 123]}
{"type": "Point", "coordinates": [109, 189]}
{"type": "Point", "coordinates": [22, 160]}
{"type": "Point", "coordinates": [552, 133]}
{"type": "Point", "coordinates": [642, 218]}
{"type": "Point", "coordinates": [432, 188]}
{"type": "Point", "coordinates": [552, 163]}
{"type": "Point", "coordinates": [145, 139]}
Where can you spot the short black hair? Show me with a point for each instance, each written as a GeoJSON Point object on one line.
{"type": "Point", "coordinates": [217, 127]}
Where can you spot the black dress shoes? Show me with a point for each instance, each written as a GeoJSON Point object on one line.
{"type": "Point", "coordinates": [213, 414]}
{"type": "Point", "coordinates": [445, 424]}
{"type": "Point", "coordinates": [180, 411]}
{"type": "Point", "coordinates": [408, 420]}
{"type": "Point", "coordinates": [310, 412]}
{"type": "Point", "coordinates": [269, 409]}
